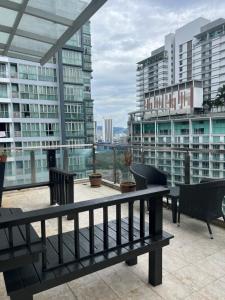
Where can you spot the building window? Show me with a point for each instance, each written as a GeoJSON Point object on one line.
{"type": "Point", "coordinates": [3, 90]}
{"type": "Point", "coordinates": [72, 74]}
{"type": "Point", "coordinates": [47, 93]}
{"type": "Point", "coordinates": [47, 74]}
{"type": "Point", "coordinates": [74, 128]}
{"type": "Point", "coordinates": [181, 48]}
{"type": "Point", "coordinates": [49, 129]}
{"type": "Point", "coordinates": [75, 41]}
{"type": "Point", "coordinates": [73, 92]}
{"type": "Point", "coordinates": [28, 72]}
{"type": "Point", "coordinates": [74, 112]}
{"type": "Point", "coordinates": [3, 70]}
{"type": "Point", "coordinates": [71, 57]}
{"type": "Point", "coordinates": [28, 91]}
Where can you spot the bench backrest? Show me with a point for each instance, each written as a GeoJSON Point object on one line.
{"type": "Point", "coordinates": [154, 195]}
{"type": "Point", "coordinates": [61, 186]}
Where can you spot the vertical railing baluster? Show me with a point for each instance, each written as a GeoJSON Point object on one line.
{"type": "Point", "coordinates": [43, 240]}
{"type": "Point", "coordinates": [142, 218]}
{"type": "Point", "coordinates": [57, 187]}
{"type": "Point", "coordinates": [32, 166]}
{"type": "Point", "coordinates": [118, 224]}
{"type": "Point", "coordinates": [131, 220]}
{"type": "Point", "coordinates": [76, 236]}
{"type": "Point", "coordinates": [60, 240]}
{"type": "Point", "coordinates": [10, 237]}
{"type": "Point", "coordinates": [91, 230]}
{"type": "Point", "coordinates": [105, 228]}
{"type": "Point", "coordinates": [51, 187]}
{"type": "Point", "coordinates": [28, 235]}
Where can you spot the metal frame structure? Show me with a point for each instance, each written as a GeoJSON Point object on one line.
{"type": "Point", "coordinates": [25, 8]}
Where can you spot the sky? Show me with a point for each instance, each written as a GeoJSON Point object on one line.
{"type": "Point", "coordinates": [125, 32]}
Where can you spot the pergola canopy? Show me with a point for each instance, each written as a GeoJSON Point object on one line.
{"type": "Point", "coordinates": [35, 29]}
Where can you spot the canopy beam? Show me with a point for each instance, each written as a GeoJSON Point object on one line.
{"type": "Point", "coordinates": [15, 25]}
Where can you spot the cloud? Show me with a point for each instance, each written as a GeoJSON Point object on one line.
{"type": "Point", "coordinates": [125, 32]}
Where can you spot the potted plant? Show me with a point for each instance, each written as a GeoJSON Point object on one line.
{"type": "Point", "coordinates": [127, 185]}
{"type": "Point", "coordinates": [95, 179]}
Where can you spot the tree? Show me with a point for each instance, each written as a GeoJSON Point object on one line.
{"type": "Point", "coordinates": [220, 97]}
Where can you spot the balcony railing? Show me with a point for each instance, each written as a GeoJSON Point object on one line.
{"type": "Point", "coordinates": [30, 165]}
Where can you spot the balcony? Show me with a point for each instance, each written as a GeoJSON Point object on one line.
{"type": "Point", "coordinates": [193, 264]}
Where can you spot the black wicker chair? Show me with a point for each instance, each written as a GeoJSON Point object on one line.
{"type": "Point", "coordinates": [145, 175]}
{"type": "Point", "coordinates": [202, 201]}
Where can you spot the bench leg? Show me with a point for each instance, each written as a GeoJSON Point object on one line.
{"type": "Point", "coordinates": [132, 261]}
{"type": "Point", "coordinates": [155, 267]}
{"type": "Point", "coordinates": [22, 297]}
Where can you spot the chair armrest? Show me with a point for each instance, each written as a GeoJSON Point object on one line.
{"type": "Point", "coordinates": [141, 182]}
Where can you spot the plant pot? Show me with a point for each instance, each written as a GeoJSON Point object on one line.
{"type": "Point", "coordinates": [3, 158]}
{"type": "Point", "coordinates": [127, 186]}
{"type": "Point", "coordinates": [95, 179]}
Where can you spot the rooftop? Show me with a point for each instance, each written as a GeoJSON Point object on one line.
{"type": "Point", "coordinates": [193, 264]}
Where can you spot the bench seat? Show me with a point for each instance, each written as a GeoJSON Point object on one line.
{"type": "Point", "coordinates": [32, 279]}
{"type": "Point", "coordinates": [20, 254]}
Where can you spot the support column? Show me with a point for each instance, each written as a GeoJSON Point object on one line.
{"type": "Point", "coordinates": [155, 228]}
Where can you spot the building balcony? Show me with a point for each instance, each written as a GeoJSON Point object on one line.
{"type": "Point", "coordinates": [193, 264]}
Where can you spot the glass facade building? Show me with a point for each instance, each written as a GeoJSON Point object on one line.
{"type": "Point", "coordinates": [46, 105]}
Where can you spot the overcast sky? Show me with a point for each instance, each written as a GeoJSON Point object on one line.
{"type": "Point", "coordinates": [125, 32]}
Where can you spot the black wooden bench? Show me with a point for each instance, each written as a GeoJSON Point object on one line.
{"type": "Point", "coordinates": [70, 255]}
{"type": "Point", "coordinates": [61, 185]}
{"type": "Point", "coordinates": [14, 249]}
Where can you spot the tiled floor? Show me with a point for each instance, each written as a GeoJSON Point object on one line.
{"type": "Point", "coordinates": [193, 264]}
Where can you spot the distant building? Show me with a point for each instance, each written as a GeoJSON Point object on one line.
{"type": "Point", "coordinates": [108, 131]}
{"type": "Point", "coordinates": [194, 52]}
{"type": "Point", "coordinates": [172, 86]}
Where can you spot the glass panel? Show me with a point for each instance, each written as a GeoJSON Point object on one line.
{"type": "Point", "coordinates": [42, 27]}
{"type": "Point", "coordinates": [17, 1]}
{"type": "Point", "coordinates": [59, 8]}
{"type": "Point", "coordinates": [7, 16]}
{"type": "Point", "coordinates": [3, 37]}
{"type": "Point", "coordinates": [26, 43]}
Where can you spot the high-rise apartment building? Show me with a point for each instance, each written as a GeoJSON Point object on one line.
{"type": "Point", "coordinates": [108, 131]}
{"type": "Point", "coordinates": [172, 86]}
{"type": "Point", "coordinates": [47, 105]}
{"type": "Point", "coordinates": [194, 51]}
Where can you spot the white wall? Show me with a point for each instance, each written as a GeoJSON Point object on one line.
{"type": "Point", "coordinates": [183, 35]}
